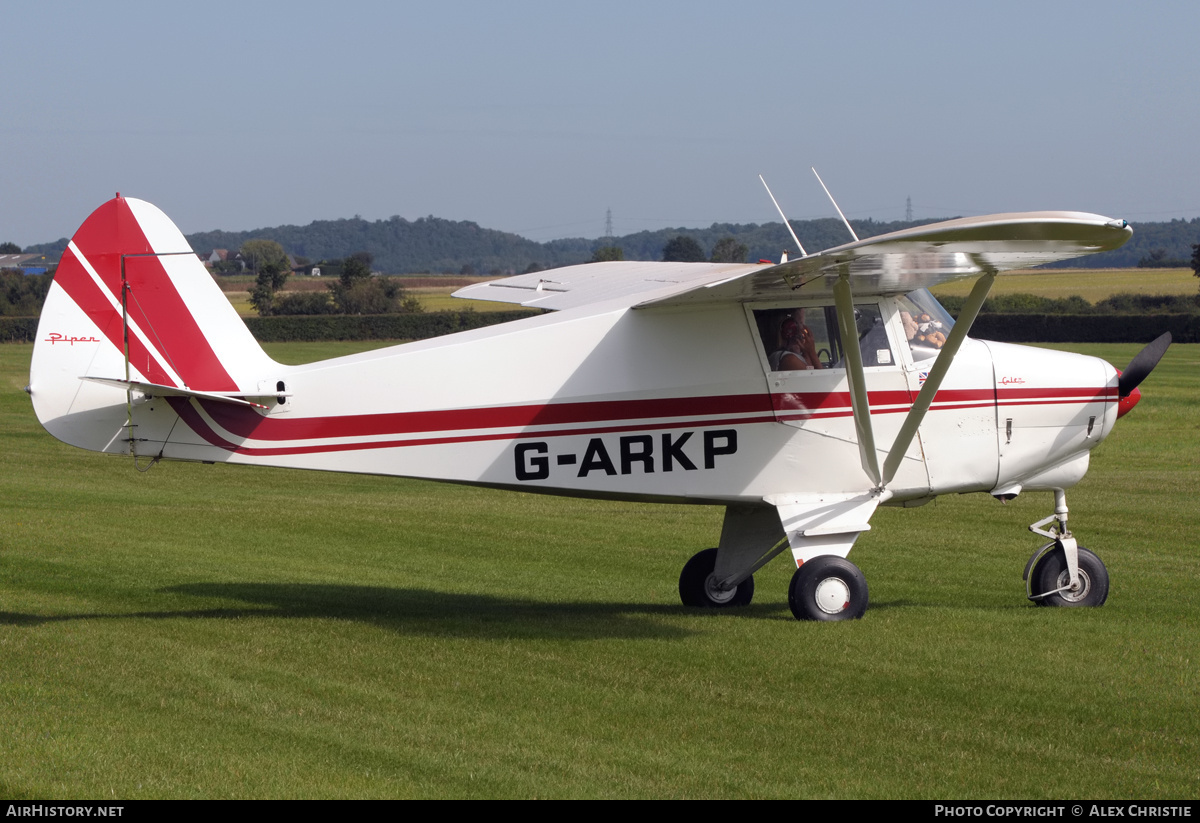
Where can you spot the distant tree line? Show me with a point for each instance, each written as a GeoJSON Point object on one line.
{"type": "Point", "coordinates": [355, 291]}
{"type": "Point", "coordinates": [431, 244]}
{"type": "Point", "coordinates": [1157, 259]}
{"type": "Point", "coordinates": [22, 295]}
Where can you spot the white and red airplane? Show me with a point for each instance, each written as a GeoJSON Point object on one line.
{"type": "Point", "coordinates": [799, 396]}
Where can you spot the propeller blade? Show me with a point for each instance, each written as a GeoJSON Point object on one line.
{"type": "Point", "coordinates": [1142, 364]}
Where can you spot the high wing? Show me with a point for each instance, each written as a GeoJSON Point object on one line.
{"type": "Point", "coordinates": [893, 263]}
{"type": "Point", "coordinates": [573, 286]}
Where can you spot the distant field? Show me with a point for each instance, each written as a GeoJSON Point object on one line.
{"type": "Point", "coordinates": [432, 290]}
{"type": "Point", "coordinates": [214, 631]}
{"type": "Point", "coordinates": [1091, 284]}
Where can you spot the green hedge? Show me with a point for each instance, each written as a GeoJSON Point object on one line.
{"type": "Point", "coordinates": [18, 329]}
{"type": "Point", "coordinates": [1125, 303]}
{"type": "Point", "coordinates": [1086, 328]}
{"type": "Point", "coordinates": [1008, 328]}
{"type": "Point", "coordinates": [375, 326]}
{"type": "Point", "coordinates": [329, 327]}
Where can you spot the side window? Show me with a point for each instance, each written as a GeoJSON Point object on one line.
{"type": "Point", "coordinates": [807, 338]}
{"type": "Point", "coordinates": [797, 339]}
{"type": "Point", "coordinates": [872, 336]}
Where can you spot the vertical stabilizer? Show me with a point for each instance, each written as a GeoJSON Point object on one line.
{"type": "Point", "coordinates": [131, 301]}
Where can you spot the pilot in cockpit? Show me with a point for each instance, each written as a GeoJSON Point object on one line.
{"type": "Point", "coordinates": [796, 348]}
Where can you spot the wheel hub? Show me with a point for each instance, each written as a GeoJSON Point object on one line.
{"type": "Point", "coordinates": [832, 595]}
{"type": "Point", "coordinates": [1081, 589]}
{"type": "Point", "coordinates": [715, 594]}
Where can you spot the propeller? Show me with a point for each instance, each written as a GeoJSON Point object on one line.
{"type": "Point", "coordinates": [1142, 364]}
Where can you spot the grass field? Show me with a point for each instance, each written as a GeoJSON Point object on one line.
{"type": "Point", "coordinates": [432, 290]}
{"type": "Point", "coordinates": [214, 631]}
{"type": "Point", "coordinates": [1092, 285]}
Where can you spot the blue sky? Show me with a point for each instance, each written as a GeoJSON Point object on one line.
{"type": "Point", "coordinates": [536, 117]}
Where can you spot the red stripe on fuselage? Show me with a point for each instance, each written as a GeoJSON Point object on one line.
{"type": "Point", "coordinates": [1019, 397]}
{"type": "Point", "coordinates": [245, 422]}
{"type": "Point", "coordinates": [588, 417]}
{"type": "Point", "coordinates": [196, 422]}
{"type": "Point", "coordinates": [826, 404]}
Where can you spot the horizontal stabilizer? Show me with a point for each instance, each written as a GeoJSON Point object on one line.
{"type": "Point", "coordinates": [156, 390]}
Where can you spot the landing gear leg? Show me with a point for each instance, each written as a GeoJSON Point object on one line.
{"type": "Point", "coordinates": [724, 577]}
{"type": "Point", "coordinates": [1061, 572]}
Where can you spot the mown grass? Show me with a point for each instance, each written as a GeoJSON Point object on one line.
{"type": "Point", "coordinates": [213, 631]}
{"type": "Point", "coordinates": [432, 298]}
{"type": "Point", "coordinates": [440, 299]}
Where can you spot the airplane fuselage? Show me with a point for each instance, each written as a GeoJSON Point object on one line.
{"type": "Point", "coordinates": [650, 404]}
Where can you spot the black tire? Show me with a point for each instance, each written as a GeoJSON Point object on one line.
{"type": "Point", "coordinates": [696, 585]}
{"type": "Point", "coordinates": [1051, 573]}
{"type": "Point", "coordinates": [819, 583]}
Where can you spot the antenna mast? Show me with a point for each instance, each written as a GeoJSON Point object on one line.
{"type": "Point", "coordinates": [803, 253]}
{"type": "Point", "coordinates": [835, 205]}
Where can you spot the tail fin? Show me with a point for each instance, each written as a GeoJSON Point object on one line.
{"type": "Point", "coordinates": [131, 303]}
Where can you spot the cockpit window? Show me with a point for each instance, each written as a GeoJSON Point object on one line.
{"type": "Point", "coordinates": [926, 324]}
{"type": "Point", "coordinates": [799, 339]}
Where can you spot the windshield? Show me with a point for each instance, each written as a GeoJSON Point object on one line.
{"type": "Point", "coordinates": [926, 324]}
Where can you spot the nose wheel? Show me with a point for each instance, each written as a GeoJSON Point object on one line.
{"type": "Point", "coordinates": [1050, 583]}
{"type": "Point", "coordinates": [1061, 572]}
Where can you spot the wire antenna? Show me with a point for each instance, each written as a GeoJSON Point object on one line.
{"type": "Point", "coordinates": [835, 205]}
{"type": "Point", "coordinates": [803, 253]}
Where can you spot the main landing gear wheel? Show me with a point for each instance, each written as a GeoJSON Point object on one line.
{"type": "Point", "coordinates": [1051, 573]}
{"type": "Point", "coordinates": [698, 585]}
{"type": "Point", "coordinates": [828, 588]}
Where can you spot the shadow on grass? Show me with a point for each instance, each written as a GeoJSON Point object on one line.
{"type": "Point", "coordinates": [421, 611]}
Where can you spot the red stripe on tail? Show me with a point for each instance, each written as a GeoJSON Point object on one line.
{"type": "Point", "coordinates": [154, 305]}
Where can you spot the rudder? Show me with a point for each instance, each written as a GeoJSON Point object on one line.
{"type": "Point", "coordinates": [129, 281]}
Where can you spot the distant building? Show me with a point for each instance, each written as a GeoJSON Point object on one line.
{"type": "Point", "coordinates": [26, 263]}
{"type": "Point", "coordinates": [217, 257]}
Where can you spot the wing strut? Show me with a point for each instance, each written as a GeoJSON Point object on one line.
{"type": "Point", "coordinates": [941, 365]}
{"type": "Point", "coordinates": [859, 403]}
